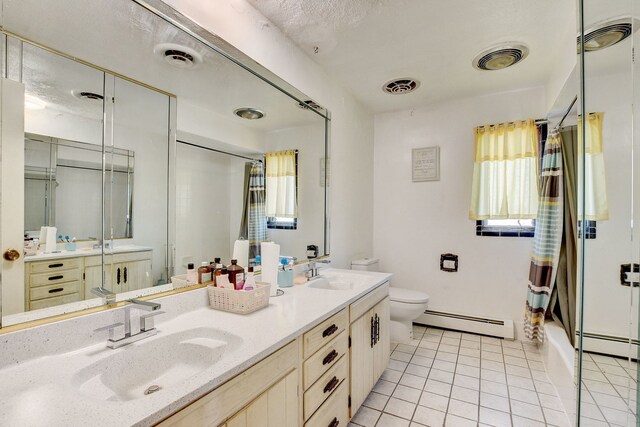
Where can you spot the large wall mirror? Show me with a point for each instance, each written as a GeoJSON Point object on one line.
{"type": "Point", "coordinates": [143, 148]}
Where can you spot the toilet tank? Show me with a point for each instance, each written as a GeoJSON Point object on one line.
{"type": "Point", "coordinates": [365, 264]}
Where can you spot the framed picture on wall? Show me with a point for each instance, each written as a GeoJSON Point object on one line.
{"type": "Point", "coordinates": [425, 164]}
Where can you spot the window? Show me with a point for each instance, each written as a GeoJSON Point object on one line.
{"type": "Point", "coordinates": [506, 227]}
{"type": "Point", "coordinates": [281, 206]}
{"type": "Point", "coordinates": [590, 228]}
{"type": "Point", "coordinates": [280, 223]}
{"type": "Point", "coordinates": [504, 200]}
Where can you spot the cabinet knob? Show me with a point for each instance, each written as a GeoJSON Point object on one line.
{"type": "Point", "coordinates": [334, 422]}
{"type": "Point", "coordinates": [11, 255]}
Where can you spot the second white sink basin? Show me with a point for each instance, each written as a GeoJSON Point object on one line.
{"type": "Point", "coordinates": [151, 365]}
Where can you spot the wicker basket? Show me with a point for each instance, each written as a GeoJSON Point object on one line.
{"type": "Point", "coordinates": [242, 302]}
{"type": "Point", "coordinates": [180, 281]}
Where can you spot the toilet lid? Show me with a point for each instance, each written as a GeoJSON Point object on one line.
{"type": "Point", "coordinates": [408, 296]}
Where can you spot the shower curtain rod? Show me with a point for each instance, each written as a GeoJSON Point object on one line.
{"type": "Point", "coordinates": [219, 151]}
{"type": "Point", "coordinates": [566, 113]}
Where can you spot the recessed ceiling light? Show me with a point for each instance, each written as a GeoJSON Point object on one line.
{"type": "Point", "coordinates": [249, 113]}
{"type": "Point", "coordinates": [606, 33]}
{"type": "Point", "coordinates": [177, 55]}
{"type": "Point", "coordinates": [500, 57]}
{"type": "Point", "coordinates": [32, 102]}
{"type": "Point", "coordinates": [400, 86]}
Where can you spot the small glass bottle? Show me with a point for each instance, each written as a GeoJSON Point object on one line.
{"type": "Point", "coordinates": [204, 273]}
{"type": "Point", "coordinates": [217, 271]}
{"type": "Point", "coordinates": [236, 274]}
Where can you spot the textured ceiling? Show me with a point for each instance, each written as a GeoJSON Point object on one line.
{"type": "Point", "coordinates": [368, 42]}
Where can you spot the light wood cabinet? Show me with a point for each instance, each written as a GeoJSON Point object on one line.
{"type": "Point", "coordinates": [123, 272]}
{"type": "Point", "coordinates": [370, 344]}
{"type": "Point", "coordinates": [276, 407]}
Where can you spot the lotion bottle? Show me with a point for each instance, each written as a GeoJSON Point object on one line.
{"type": "Point", "coordinates": [192, 274]}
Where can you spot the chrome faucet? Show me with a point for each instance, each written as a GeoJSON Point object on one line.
{"type": "Point", "coordinates": [121, 334]}
{"type": "Point", "coordinates": [314, 268]}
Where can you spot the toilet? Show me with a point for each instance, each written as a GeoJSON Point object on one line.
{"type": "Point", "coordinates": [406, 304]}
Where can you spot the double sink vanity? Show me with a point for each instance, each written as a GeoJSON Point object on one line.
{"type": "Point", "coordinates": [310, 358]}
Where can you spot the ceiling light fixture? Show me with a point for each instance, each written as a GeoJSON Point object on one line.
{"type": "Point", "coordinates": [500, 57]}
{"type": "Point", "coordinates": [606, 33]}
{"type": "Point", "coordinates": [32, 102]}
{"type": "Point", "coordinates": [249, 113]}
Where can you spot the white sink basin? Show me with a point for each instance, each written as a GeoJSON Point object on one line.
{"type": "Point", "coordinates": [154, 364]}
{"type": "Point", "coordinates": [342, 281]}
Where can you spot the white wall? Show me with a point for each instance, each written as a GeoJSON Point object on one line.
{"type": "Point", "coordinates": [609, 308]}
{"type": "Point", "coordinates": [352, 125]}
{"type": "Point", "coordinates": [416, 222]}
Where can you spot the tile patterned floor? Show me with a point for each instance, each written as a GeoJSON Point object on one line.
{"type": "Point", "coordinates": [608, 391]}
{"type": "Point", "coordinates": [458, 379]}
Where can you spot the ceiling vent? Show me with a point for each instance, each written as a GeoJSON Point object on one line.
{"type": "Point", "coordinates": [400, 86]}
{"type": "Point", "coordinates": [178, 56]}
{"type": "Point", "coordinates": [86, 95]}
{"type": "Point", "coordinates": [606, 34]}
{"type": "Point", "coordinates": [500, 57]}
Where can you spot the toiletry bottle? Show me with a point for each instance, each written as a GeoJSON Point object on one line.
{"type": "Point", "coordinates": [217, 270]}
{"type": "Point", "coordinates": [236, 274]}
{"type": "Point", "coordinates": [223, 282]}
{"type": "Point", "coordinates": [204, 273]}
{"type": "Point", "coordinates": [192, 274]}
{"type": "Point", "coordinates": [249, 280]}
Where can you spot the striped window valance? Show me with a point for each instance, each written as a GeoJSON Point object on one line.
{"type": "Point", "coordinates": [505, 171]}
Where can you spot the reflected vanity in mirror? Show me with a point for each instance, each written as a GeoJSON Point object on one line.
{"type": "Point", "coordinates": [144, 150]}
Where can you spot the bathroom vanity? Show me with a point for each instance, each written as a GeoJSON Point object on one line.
{"type": "Point", "coordinates": [308, 359]}
{"type": "Point", "coordinates": [60, 278]}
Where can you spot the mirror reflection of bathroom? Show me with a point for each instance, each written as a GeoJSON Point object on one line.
{"type": "Point", "coordinates": [132, 170]}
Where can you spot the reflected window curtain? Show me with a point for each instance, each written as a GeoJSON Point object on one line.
{"type": "Point", "coordinates": [281, 184]}
{"type": "Point", "coordinates": [505, 172]}
{"type": "Point", "coordinates": [547, 239]}
{"type": "Point", "coordinates": [254, 221]}
{"type": "Point", "coordinates": [595, 193]}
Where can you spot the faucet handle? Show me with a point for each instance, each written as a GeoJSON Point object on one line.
{"type": "Point", "coordinates": [147, 322]}
{"type": "Point", "coordinates": [116, 331]}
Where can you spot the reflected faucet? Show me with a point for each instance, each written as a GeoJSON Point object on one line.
{"type": "Point", "coordinates": [314, 268]}
{"type": "Point", "coordinates": [120, 334]}
{"type": "Point", "coordinates": [109, 296]}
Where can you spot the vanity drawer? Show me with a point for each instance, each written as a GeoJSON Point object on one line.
{"type": "Point", "coordinates": [334, 412]}
{"type": "Point", "coordinates": [54, 265]}
{"type": "Point", "coordinates": [54, 277]}
{"type": "Point", "coordinates": [325, 386]}
{"type": "Point", "coordinates": [324, 359]}
{"type": "Point", "coordinates": [50, 302]}
{"type": "Point", "coordinates": [324, 332]}
{"type": "Point", "coordinates": [54, 290]}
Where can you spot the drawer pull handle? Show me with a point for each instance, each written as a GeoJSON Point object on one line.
{"type": "Point", "coordinates": [53, 291]}
{"type": "Point", "coordinates": [329, 331]}
{"type": "Point", "coordinates": [334, 422]}
{"type": "Point", "coordinates": [56, 265]}
{"type": "Point", "coordinates": [56, 277]}
{"type": "Point", "coordinates": [330, 357]}
{"type": "Point", "coordinates": [331, 384]}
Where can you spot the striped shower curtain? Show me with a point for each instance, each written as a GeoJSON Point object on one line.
{"type": "Point", "coordinates": [547, 238]}
{"type": "Point", "coordinates": [254, 221]}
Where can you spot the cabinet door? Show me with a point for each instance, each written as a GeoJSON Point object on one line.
{"type": "Point", "coordinates": [276, 407]}
{"type": "Point", "coordinates": [361, 360]}
{"type": "Point", "coordinates": [137, 274]}
{"type": "Point", "coordinates": [382, 347]}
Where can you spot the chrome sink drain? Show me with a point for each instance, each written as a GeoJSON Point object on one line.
{"type": "Point", "coordinates": [152, 389]}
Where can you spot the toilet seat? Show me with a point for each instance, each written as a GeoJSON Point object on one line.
{"type": "Point", "coordinates": [407, 296]}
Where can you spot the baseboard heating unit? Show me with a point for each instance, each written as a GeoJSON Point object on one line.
{"type": "Point", "coordinates": [465, 323]}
